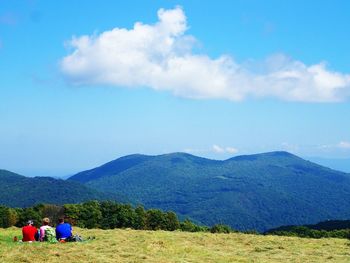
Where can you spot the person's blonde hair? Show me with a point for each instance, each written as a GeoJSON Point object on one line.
{"type": "Point", "coordinates": [46, 221]}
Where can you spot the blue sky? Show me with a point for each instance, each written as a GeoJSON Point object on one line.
{"type": "Point", "coordinates": [82, 85]}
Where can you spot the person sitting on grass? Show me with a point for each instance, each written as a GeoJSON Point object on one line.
{"type": "Point", "coordinates": [47, 233]}
{"type": "Point", "coordinates": [29, 231]}
{"type": "Point", "coordinates": [63, 230]}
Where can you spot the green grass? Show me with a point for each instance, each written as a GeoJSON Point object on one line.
{"type": "Point", "coordinates": [160, 246]}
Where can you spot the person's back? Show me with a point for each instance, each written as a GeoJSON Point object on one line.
{"type": "Point", "coordinates": [63, 230]}
{"type": "Point", "coordinates": [29, 232]}
{"type": "Point", "coordinates": [47, 233]}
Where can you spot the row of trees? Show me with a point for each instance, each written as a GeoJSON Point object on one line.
{"type": "Point", "coordinates": [105, 215]}
{"type": "Point", "coordinates": [19, 216]}
{"type": "Point", "coordinates": [110, 215]}
{"type": "Point", "coordinates": [303, 231]}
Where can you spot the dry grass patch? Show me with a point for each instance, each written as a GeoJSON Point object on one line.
{"type": "Point", "coordinates": [160, 246]}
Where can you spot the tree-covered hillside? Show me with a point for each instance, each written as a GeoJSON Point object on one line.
{"type": "Point", "coordinates": [325, 229]}
{"type": "Point", "coordinates": [259, 191]}
{"type": "Point", "coordinates": [20, 191]}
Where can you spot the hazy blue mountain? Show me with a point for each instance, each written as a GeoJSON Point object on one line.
{"type": "Point", "coordinates": [260, 191]}
{"type": "Point", "coordinates": [21, 191]}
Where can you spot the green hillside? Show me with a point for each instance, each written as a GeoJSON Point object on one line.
{"type": "Point", "coordinates": [259, 191]}
{"type": "Point", "coordinates": [21, 191]}
{"type": "Point", "coordinates": [328, 225]}
{"type": "Point", "coordinates": [162, 246]}
{"type": "Point", "coordinates": [329, 228]}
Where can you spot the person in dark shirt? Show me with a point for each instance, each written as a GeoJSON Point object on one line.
{"type": "Point", "coordinates": [29, 231]}
{"type": "Point", "coordinates": [63, 230]}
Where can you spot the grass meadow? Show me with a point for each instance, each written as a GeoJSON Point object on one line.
{"type": "Point", "coordinates": [124, 245]}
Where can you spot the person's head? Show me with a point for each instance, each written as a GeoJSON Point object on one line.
{"type": "Point", "coordinates": [30, 222]}
{"type": "Point", "coordinates": [61, 220]}
{"type": "Point", "coordinates": [46, 221]}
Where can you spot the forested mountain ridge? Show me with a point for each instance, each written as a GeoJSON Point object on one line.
{"type": "Point", "coordinates": [21, 191]}
{"type": "Point", "coordinates": [110, 168]}
{"type": "Point", "coordinates": [259, 191]}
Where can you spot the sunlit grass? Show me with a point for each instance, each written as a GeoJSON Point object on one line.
{"type": "Point", "coordinates": [160, 246]}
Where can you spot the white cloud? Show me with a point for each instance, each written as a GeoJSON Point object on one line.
{"type": "Point", "coordinates": [344, 145]}
{"type": "Point", "coordinates": [231, 150]}
{"type": "Point", "coordinates": [219, 149]}
{"type": "Point", "coordinates": [160, 56]}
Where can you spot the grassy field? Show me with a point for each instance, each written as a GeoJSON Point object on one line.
{"type": "Point", "coordinates": [160, 246]}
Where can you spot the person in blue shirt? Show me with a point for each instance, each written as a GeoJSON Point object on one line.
{"type": "Point", "coordinates": [63, 230]}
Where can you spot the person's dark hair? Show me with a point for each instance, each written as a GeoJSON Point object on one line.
{"type": "Point", "coordinates": [61, 220]}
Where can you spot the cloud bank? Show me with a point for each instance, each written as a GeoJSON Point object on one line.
{"type": "Point", "coordinates": [161, 56]}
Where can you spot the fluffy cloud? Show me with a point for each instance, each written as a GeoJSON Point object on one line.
{"type": "Point", "coordinates": [160, 56]}
{"type": "Point", "coordinates": [219, 149]}
{"type": "Point", "coordinates": [231, 150]}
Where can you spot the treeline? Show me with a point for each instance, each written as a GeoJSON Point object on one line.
{"type": "Point", "coordinates": [304, 231]}
{"type": "Point", "coordinates": [104, 215]}
{"type": "Point", "coordinates": [110, 215]}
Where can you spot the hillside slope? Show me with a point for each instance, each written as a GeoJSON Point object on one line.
{"type": "Point", "coordinates": [21, 191]}
{"type": "Point", "coordinates": [259, 191]}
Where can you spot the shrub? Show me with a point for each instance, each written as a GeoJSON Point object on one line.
{"type": "Point", "coordinates": [220, 228]}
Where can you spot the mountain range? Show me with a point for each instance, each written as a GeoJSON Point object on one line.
{"type": "Point", "coordinates": [21, 191]}
{"type": "Point", "coordinates": [260, 191]}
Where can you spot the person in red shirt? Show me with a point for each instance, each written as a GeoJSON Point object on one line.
{"type": "Point", "coordinates": [29, 231]}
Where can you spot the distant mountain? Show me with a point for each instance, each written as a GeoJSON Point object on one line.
{"type": "Point", "coordinates": [113, 167]}
{"type": "Point", "coordinates": [260, 191]}
{"type": "Point", "coordinates": [21, 191]}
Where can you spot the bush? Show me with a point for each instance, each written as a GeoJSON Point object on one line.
{"type": "Point", "coordinates": [8, 217]}
{"type": "Point", "coordinates": [189, 226]}
{"type": "Point", "coordinates": [220, 228]}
